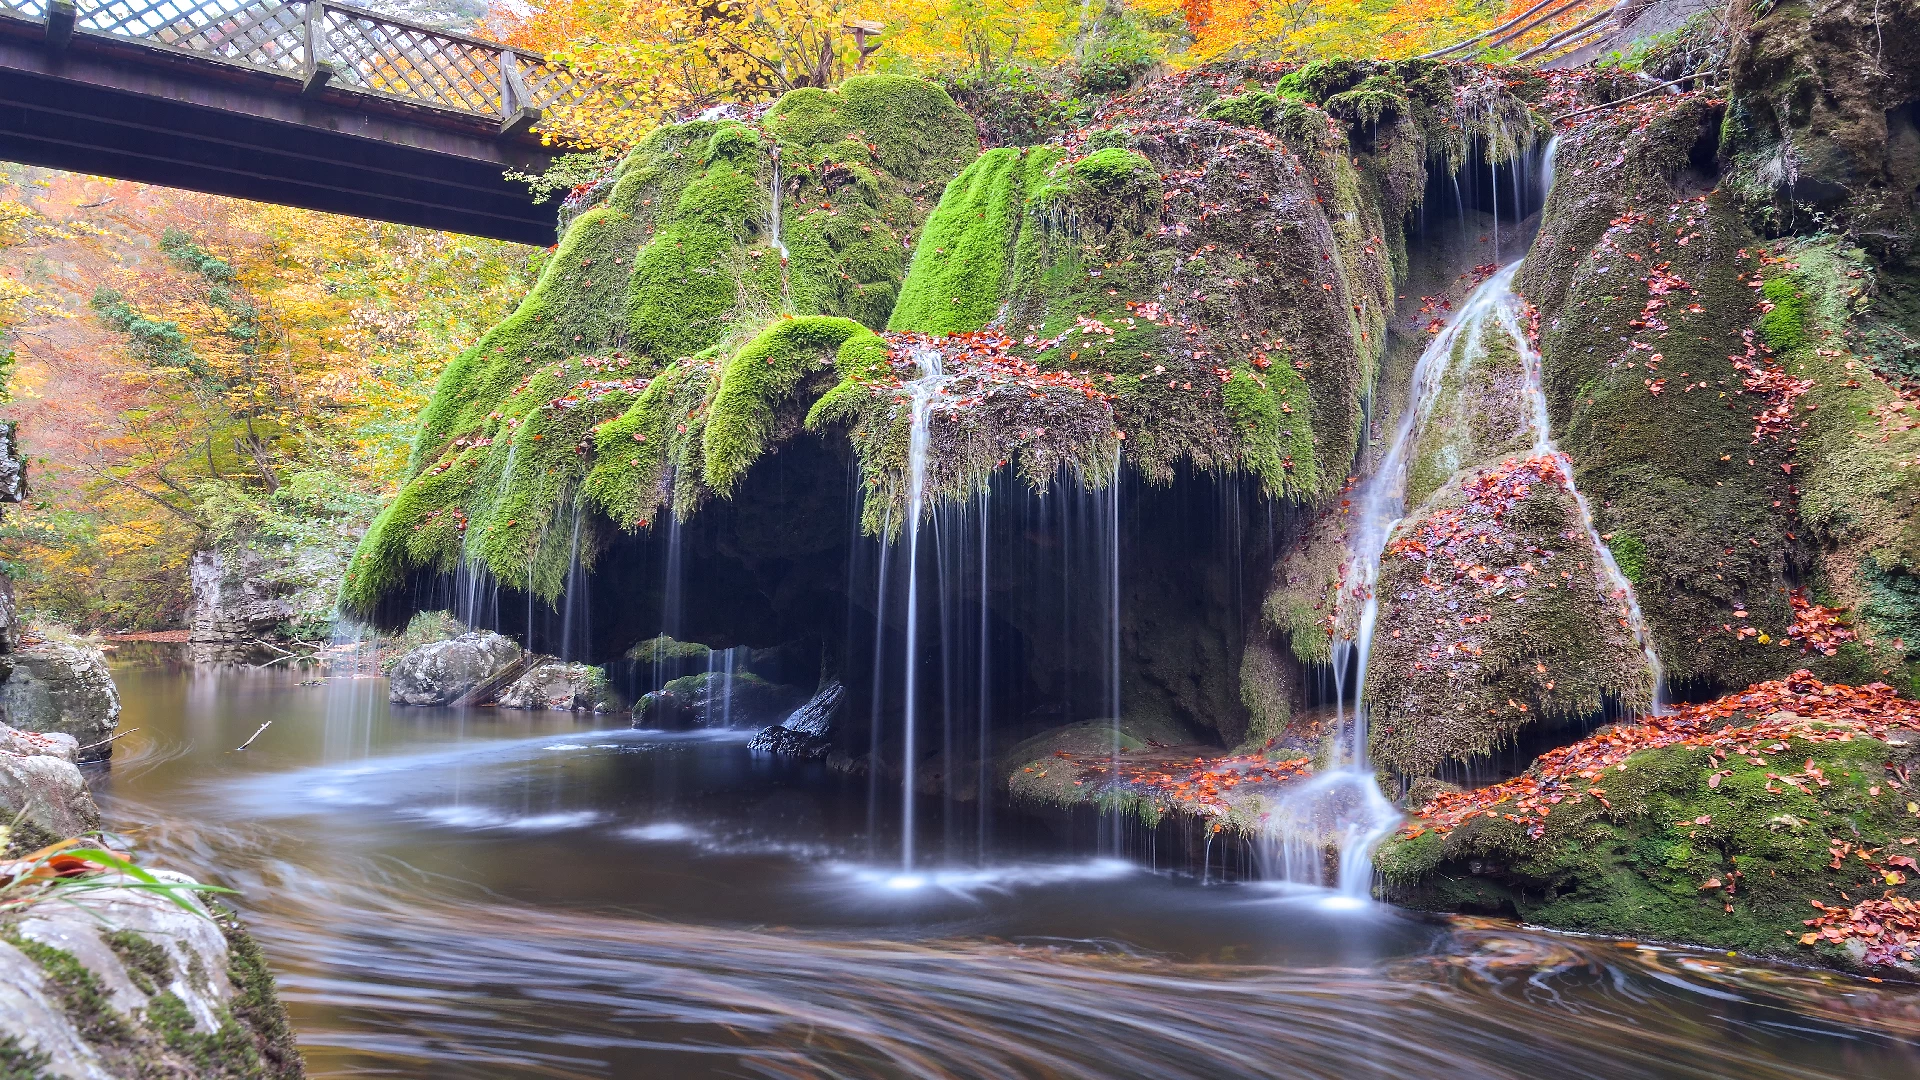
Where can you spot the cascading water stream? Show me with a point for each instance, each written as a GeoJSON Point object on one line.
{"type": "Point", "coordinates": [922, 392]}
{"type": "Point", "coordinates": [1343, 802]}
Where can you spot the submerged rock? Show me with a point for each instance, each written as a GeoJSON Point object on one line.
{"type": "Point", "coordinates": [64, 687]}
{"type": "Point", "coordinates": [115, 982]}
{"type": "Point", "coordinates": [442, 672]}
{"type": "Point", "coordinates": [561, 686]}
{"type": "Point", "coordinates": [808, 731]}
{"type": "Point", "coordinates": [715, 699]}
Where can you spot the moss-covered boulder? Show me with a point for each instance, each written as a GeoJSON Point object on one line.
{"type": "Point", "coordinates": [1735, 824]}
{"type": "Point", "coordinates": [114, 981]}
{"type": "Point", "coordinates": [1494, 616]}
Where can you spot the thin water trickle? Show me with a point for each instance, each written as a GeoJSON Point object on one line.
{"type": "Point", "coordinates": [921, 393]}
{"type": "Point", "coordinates": [774, 198]}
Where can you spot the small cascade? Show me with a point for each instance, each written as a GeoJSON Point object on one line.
{"type": "Point", "coordinates": [922, 391]}
{"type": "Point", "coordinates": [1342, 805]}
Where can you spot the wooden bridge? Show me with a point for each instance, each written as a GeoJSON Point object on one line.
{"type": "Point", "coordinates": [308, 103]}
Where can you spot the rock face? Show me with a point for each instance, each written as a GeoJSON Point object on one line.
{"type": "Point", "coordinates": [442, 672]}
{"type": "Point", "coordinates": [808, 731]}
{"type": "Point", "coordinates": [233, 607]}
{"type": "Point", "coordinates": [64, 687]}
{"type": "Point", "coordinates": [121, 982]}
{"type": "Point", "coordinates": [245, 594]}
{"type": "Point", "coordinates": [560, 686]}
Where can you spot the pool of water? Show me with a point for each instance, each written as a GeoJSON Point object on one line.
{"type": "Point", "coordinates": [482, 893]}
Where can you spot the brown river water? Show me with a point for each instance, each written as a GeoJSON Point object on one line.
{"type": "Point", "coordinates": [481, 893]}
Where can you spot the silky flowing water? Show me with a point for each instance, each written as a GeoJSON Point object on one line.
{"type": "Point", "coordinates": [483, 893]}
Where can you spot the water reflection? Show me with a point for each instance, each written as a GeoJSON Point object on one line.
{"type": "Point", "coordinates": [485, 894]}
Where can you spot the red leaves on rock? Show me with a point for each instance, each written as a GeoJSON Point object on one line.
{"type": "Point", "coordinates": [1887, 928]}
{"type": "Point", "coordinates": [1798, 706]}
{"type": "Point", "coordinates": [1817, 628]}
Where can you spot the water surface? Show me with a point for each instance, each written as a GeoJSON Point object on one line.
{"type": "Point", "coordinates": [483, 893]}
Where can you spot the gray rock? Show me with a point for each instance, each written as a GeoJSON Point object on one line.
{"type": "Point", "coordinates": [63, 686]}
{"type": "Point", "coordinates": [234, 606]}
{"type": "Point", "coordinates": [13, 464]}
{"type": "Point", "coordinates": [36, 743]}
{"type": "Point", "coordinates": [557, 685]}
{"type": "Point", "coordinates": [140, 945]}
{"type": "Point", "coordinates": [443, 671]}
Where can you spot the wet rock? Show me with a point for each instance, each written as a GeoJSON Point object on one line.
{"type": "Point", "coordinates": [807, 732]}
{"type": "Point", "coordinates": [173, 992]}
{"type": "Point", "coordinates": [63, 686]}
{"type": "Point", "coordinates": [561, 686]}
{"type": "Point", "coordinates": [715, 699]}
{"type": "Point", "coordinates": [442, 672]}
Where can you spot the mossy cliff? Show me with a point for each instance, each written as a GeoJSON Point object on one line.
{"type": "Point", "coordinates": [640, 308]}
{"type": "Point", "coordinates": [1735, 434]}
{"type": "Point", "coordinates": [1720, 285]}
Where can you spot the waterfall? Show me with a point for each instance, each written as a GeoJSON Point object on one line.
{"type": "Point", "coordinates": [1343, 803]}
{"type": "Point", "coordinates": [922, 391]}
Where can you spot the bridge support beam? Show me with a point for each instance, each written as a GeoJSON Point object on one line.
{"type": "Point", "coordinates": [117, 108]}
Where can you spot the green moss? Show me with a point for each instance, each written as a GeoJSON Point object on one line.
{"type": "Point", "coordinates": [758, 380]}
{"type": "Point", "coordinates": [227, 1051]}
{"type": "Point", "coordinates": [1784, 327]}
{"type": "Point", "coordinates": [962, 266]}
{"type": "Point", "coordinates": [255, 1005]}
{"type": "Point", "coordinates": [80, 992]}
{"type": "Point", "coordinates": [19, 1063]}
{"type": "Point", "coordinates": [1276, 425]}
{"type": "Point", "coordinates": [1630, 554]}
{"type": "Point", "coordinates": [1377, 98]}
{"type": "Point", "coordinates": [662, 648]}
{"type": "Point", "coordinates": [643, 297]}
{"type": "Point", "coordinates": [148, 967]}
{"type": "Point", "coordinates": [1254, 109]}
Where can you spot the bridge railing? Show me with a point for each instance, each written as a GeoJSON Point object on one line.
{"type": "Point", "coordinates": [324, 42]}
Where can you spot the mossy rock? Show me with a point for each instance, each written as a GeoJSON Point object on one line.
{"type": "Point", "coordinates": [1655, 858]}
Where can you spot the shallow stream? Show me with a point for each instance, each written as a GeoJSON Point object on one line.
{"type": "Point", "coordinates": [483, 893]}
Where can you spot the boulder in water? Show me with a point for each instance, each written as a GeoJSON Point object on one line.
{"type": "Point", "coordinates": [561, 686]}
{"type": "Point", "coordinates": [442, 672]}
{"type": "Point", "coordinates": [715, 699]}
{"type": "Point", "coordinates": [808, 731]}
{"type": "Point", "coordinates": [63, 686]}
